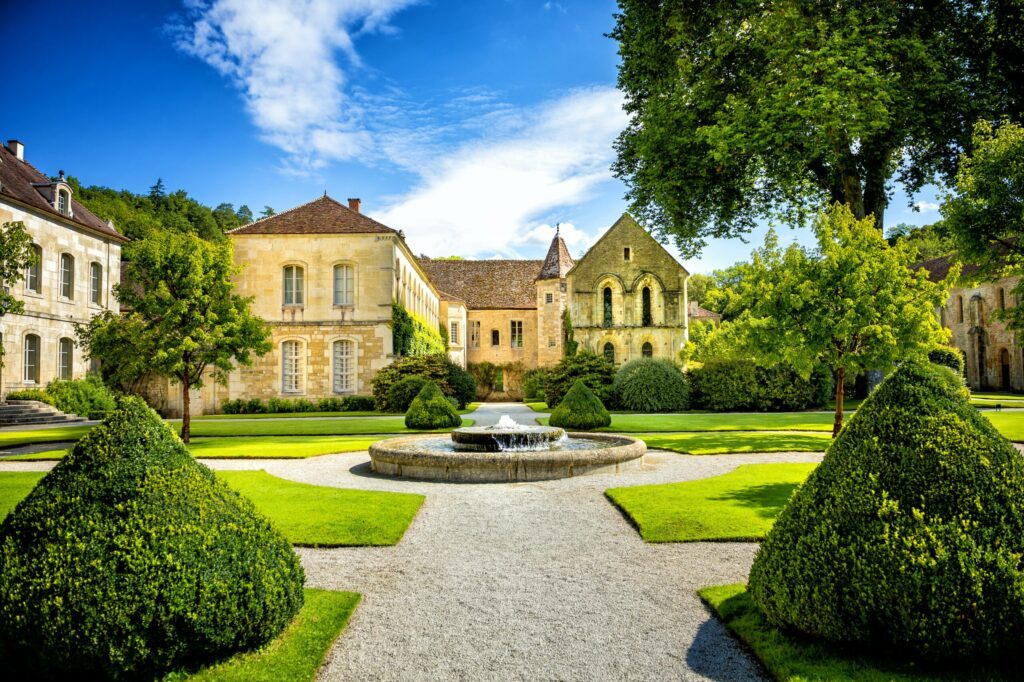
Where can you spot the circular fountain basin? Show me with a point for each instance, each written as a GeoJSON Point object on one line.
{"type": "Point", "coordinates": [435, 458]}
{"type": "Point", "coordinates": [493, 439]}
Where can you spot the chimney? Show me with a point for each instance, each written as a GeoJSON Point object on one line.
{"type": "Point", "coordinates": [353, 204]}
{"type": "Point", "coordinates": [17, 148]}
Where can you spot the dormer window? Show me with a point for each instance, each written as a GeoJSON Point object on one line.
{"type": "Point", "coordinates": [64, 202]}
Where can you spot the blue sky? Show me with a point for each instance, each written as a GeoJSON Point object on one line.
{"type": "Point", "coordinates": [472, 126]}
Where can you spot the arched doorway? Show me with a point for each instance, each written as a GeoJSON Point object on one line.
{"type": "Point", "coordinates": [609, 352]}
{"type": "Point", "coordinates": [1004, 367]}
{"type": "Point", "coordinates": [647, 350]}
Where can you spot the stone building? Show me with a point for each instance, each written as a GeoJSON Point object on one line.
{"type": "Point", "coordinates": [78, 259]}
{"type": "Point", "coordinates": [993, 358]}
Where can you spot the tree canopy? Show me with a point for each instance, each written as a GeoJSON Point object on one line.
{"type": "Point", "coordinates": [740, 110]}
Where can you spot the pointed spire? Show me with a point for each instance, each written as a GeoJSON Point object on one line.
{"type": "Point", "coordinates": [558, 261]}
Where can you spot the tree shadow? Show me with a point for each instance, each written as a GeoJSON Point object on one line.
{"type": "Point", "coordinates": [717, 655]}
{"type": "Point", "coordinates": [766, 499]}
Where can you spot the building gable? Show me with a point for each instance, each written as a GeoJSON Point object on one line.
{"type": "Point", "coordinates": [608, 257]}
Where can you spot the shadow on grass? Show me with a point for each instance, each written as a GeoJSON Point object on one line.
{"type": "Point", "coordinates": [767, 499]}
{"type": "Point", "coordinates": [717, 655]}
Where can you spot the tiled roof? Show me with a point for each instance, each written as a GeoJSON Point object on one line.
{"type": "Point", "coordinates": [558, 261]}
{"type": "Point", "coordinates": [938, 268]}
{"type": "Point", "coordinates": [486, 284]}
{"type": "Point", "coordinates": [698, 313]}
{"type": "Point", "coordinates": [18, 180]}
{"type": "Point", "coordinates": [321, 216]}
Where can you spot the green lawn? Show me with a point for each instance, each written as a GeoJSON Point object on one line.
{"type": "Point", "coordinates": [729, 442]}
{"type": "Point", "coordinates": [306, 514]}
{"type": "Point", "coordinates": [297, 653]}
{"type": "Point", "coordinates": [720, 421]}
{"type": "Point", "coordinates": [740, 505]}
{"type": "Point", "coordinates": [792, 658]}
{"type": "Point", "coordinates": [538, 407]}
{"type": "Point", "coordinates": [289, 415]}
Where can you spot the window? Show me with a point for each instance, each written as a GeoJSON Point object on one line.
{"type": "Point", "coordinates": [495, 337]}
{"type": "Point", "coordinates": [625, 254]}
{"type": "Point", "coordinates": [549, 298]}
{"type": "Point", "coordinates": [647, 350]}
{"type": "Point", "coordinates": [31, 359]}
{"type": "Point", "coordinates": [94, 365]}
{"type": "Point", "coordinates": [552, 342]}
{"type": "Point", "coordinates": [960, 309]}
{"type": "Point", "coordinates": [290, 378]}
{"type": "Point", "coordinates": [607, 306]}
{"type": "Point", "coordinates": [474, 334]}
{"type": "Point", "coordinates": [344, 366]}
{"type": "Point", "coordinates": [344, 281]}
{"type": "Point", "coordinates": [453, 335]}
{"type": "Point", "coordinates": [609, 352]}
{"type": "Point", "coordinates": [95, 283]}
{"type": "Point", "coordinates": [65, 358]}
{"type": "Point", "coordinates": [1002, 300]}
{"type": "Point", "coordinates": [63, 202]}
{"type": "Point", "coordinates": [293, 285]}
{"type": "Point", "coordinates": [645, 296]}
{"type": "Point", "coordinates": [34, 271]}
{"type": "Point", "coordinates": [67, 275]}
{"type": "Point", "coordinates": [517, 334]}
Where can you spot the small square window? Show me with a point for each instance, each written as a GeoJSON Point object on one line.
{"type": "Point", "coordinates": [549, 298]}
{"type": "Point", "coordinates": [625, 254]}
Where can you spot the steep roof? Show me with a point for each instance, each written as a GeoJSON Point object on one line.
{"type": "Point", "coordinates": [19, 180]}
{"type": "Point", "coordinates": [486, 284]}
{"type": "Point", "coordinates": [320, 216]}
{"type": "Point", "coordinates": [558, 261]}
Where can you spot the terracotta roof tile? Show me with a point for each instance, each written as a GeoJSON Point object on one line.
{"type": "Point", "coordinates": [486, 284]}
{"type": "Point", "coordinates": [558, 261]}
{"type": "Point", "coordinates": [938, 268]}
{"type": "Point", "coordinates": [320, 216]}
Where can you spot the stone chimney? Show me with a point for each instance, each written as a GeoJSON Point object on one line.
{"type": "Point", "coordinates": [353, 204]}
{"type": "Point", "coordinates": [17, 148]}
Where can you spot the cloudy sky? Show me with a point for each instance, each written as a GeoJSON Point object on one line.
{"type": "Point", "coordinates": [473, 126]}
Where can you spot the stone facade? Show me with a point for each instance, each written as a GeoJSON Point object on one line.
{"type": "Point", "coordinates": [993, 358]}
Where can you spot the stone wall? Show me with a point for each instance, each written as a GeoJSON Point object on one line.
{"type": "Point", "coordinates": [550, 335]}
{"type": "Point", "coordinates": [993, 358]}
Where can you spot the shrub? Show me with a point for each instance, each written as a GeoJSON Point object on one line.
{"type": "Point", "coordinates": [595, 371]}
{"type": "Point", "coordinates": [580, 410]}
{"type": "Point", "coordinates": [533, 382]}
{"type": "Point", "coordinates": [781, 389]}
{"type": "Point", "coordinates": [349, 403]}
{"type": "Point", "coordinates": [37, 394]}
{"type": "Point", "coordinates": [431, 410]}
{"type": "Point", "coordinates": [740, 385]}
{"type": "Point", "coordinates": [948, 357]}
{"type": "Point", "coordinates": [130, 559]}
{"type": "Point", "coordinates": [909, 534]}
{"type": "Point", "coordinates": [649, 385]}
{"type": "Point", "coordinates": [87, 397]}
{"type": "Point", "coordinates": [449, 377]}
{"type": "Point", "coordinates": [357, 403]}
{"type": "Point", "coordinates": [403, 392]}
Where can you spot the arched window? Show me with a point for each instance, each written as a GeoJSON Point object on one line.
{"type": "Point", "coordinates": [30, 361]}
{"type": "Point", "coordinates": [67, 275]}
{"type": "Point", "coordinates": [647, 350]}
{"type": "Point", "coordinates": [291, 367]}
{"type": "Point", "coordinates": [65, 358]}
{"type": "Point", "coordinates": [96, 283]}
{"type": "Point", "coordinates": [294, 285]}
{"type": "Point", "coordinates": [607, 306]}
{"type": "Point", "coordinates": [63, 202]}
{"type": "Point", "coordinates": [344, 366]}
{"type": "Point", "coordinates": [34, 271]}
{"type": "Point", "coordinates": [960, 309]}
{"type": "Point", "coordinates": [344, 285]}
{"type": "Point", "coordinates": [645, 297]}
{"type": "Point", "coordinates": [1002, 300]}
{"type": "Point", "coordinates": [609, 352]}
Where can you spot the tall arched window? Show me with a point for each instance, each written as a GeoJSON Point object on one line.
{"type": "Point", "coordinates": [291, 367]}
{"type": "Point", "coordinates": [344, 285]}
{"type": "Point", "coordinates": [294, 285]}
{"type": "Point", "coordinates": [34, 271]}
{"type": "Point", "coordinates": [609, 352]}
{"type": "Point", "coordinates": [67, 275]}
{"type": "Point", "coordinates": [344, 366]}
{"type": "Point", "coordinates": [960, 309]}
{"type": "Point", "coordinates": [1002, 300]}
{"type": "Point", "coordinates": [645, 297]}
{"type": "Point", "coordinates": [96, 283]}
{"type": "Point", "coordinates": [65, 358]}
{"type": "Point", "coordinates": [647, 350]}
{"type": "Point", "coordinates": [30, 361]}
{"type": "Point", "coordinates": [607, 306]}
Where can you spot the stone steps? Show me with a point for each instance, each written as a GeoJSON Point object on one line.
{"type": "Point", "coordinates": [32, 412]}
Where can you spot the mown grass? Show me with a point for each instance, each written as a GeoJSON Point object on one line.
{"type": "Point", "coordinates": [240, 447]}
{"type": "Point", "coordinates": [733, 442]}
{"type": "Point", "coordinates": [719, 421]}
{"type": "Point", "coordinates": [740, 505]}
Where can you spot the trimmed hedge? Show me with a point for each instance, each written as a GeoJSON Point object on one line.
{"type": "Point", "coordinates": [742, 386]}
{"type": "Point", "coordinates": [36, 394]}
{"type": "Point", "coordinates": [649, 385]}
{"type": "Point", "coordinates": [948, 357]}
{"type": "Point", "coordinates": [593, 370]}
{"type": "Point", "coordinates": [431, 410]}
{"type": "Point", "coordinates": [87, 397]}
{"type": "Point", "coordinates": [580, 410]}
{"type": "Point", "coordinates": [453, 380]}
{"type": "Point", "coordinates": [349, 403]}
{"type": "Point", "coordinates": [910, 533]}
{"type": "Point", "coordinates": [130, 559]}
{"type": "Point", "coordinates": [403, 392]}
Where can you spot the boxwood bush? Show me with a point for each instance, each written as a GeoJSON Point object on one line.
{"type": "Point", "coordinates": [431, 410]}
{"type": "Point", "coordinates": [649, 385]}
{"type": "Point", "coordinates": [740, 385]}
{"type": "Point", "coordinates": [910, 533]}
{"type": "Point", "coordinates": [87, 397]}
{"type": "Point", "coordinates": [580, 410]}
{"type": "Point", "coordinates": [36, 394]}
{"type": "Point", "coordinates": [348, 403]}
{"type": "Point", "coordinates": [453, 380]}
{"type": "Point", "coordinates": [403, 392]}
{"type": "Point", "coordinates": [533, 383]}
{"type": "Point", "coordinates": [948, 357]}
{"type": "Point", "coordinates": [593, 370]}
{"type": "Point", "coordinates": [130, 559]}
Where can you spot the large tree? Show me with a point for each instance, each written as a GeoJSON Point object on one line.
{"type": "Point", "coordinates": [183, 318]}
{"type": "Point", "coordinates": [742, 109]}
{"type": "Point", "coordinates": [850, 305]}
{"type": "Point", "coordinates": [15, 256]}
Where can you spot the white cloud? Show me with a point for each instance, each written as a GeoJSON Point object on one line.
{"type": "Point", "coordinates": [926, 206]}
{"type": "Point", "coordinates": [282, 54]}
{"type": "Point", "coordinates": [476, 198]}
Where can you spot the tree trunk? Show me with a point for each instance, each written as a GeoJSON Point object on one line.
{"type": "Point", "coordinates": [186, 411]}
{"type": "Point", "coordinates": [840, 380]}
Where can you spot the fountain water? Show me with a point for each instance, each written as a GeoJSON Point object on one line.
{"type": "Point", "coordinates": [506, 436]}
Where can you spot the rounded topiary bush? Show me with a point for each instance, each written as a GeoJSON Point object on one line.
{"type": "Point", "coordinates": [580, 410]}
{"type": "Point", "coordinates": [403, 392]}
{"type": "Point", "coordinates": [431, 410]}
{"type": "Point", "coordinates": [649, 385]}
{"type": "Point", "coordinates": [948, 357]}
{"type": "Point", "coordinates": [910, 533]}
{"type": "Point", "coordinates": [130, 559]}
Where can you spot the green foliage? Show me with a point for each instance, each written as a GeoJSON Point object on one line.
{"type": "Point", "coordinates": [453, 380]}
{"type": "Point", "coordinates": [720, 291]}
{"type": "Point", "coordinates": [594, 370]}
{"type": "Point", "coordinates": [570, 344]}
{"type": "Point", "coordinates": [649, 385]}
{"type": "Point", "coordinates": [925, 241]}
{"type": "Point", "coordinates": [431, 410]}
{"type": "Point", "coordinates": [742, 386]}
{"type": "Point", "coordinates": [411, 336]}
{"type": "Point", "coordinates": [37, 394]}
{"type": "Point", "coordinates": [580, 410]}
{"type": "Point", "coordinates": [947, 356]}
{"type": "Point", "coordinates": [403, 392]}
{"type": "Point", "coordinates": [15, 256]}
{"type": "Point", "coordinates": [87, 397]}
{"type": "Point", "coordinates": [533, 382]}
{"type": "Point", "coordinates": [738, 112]}
{"type": "Point", "coordinates": [491, 377]}
{"type": "Point", "coordinates": [909, 534]}
{"type": "Point", "coordinates": [130, 559]}
{"type": "Point", "coordinates": [349, 403]}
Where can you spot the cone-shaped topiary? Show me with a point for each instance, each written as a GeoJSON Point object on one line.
{"type": "Point", "coordinates": [580, 410]}
{"type": "Point", "coordinates": [431, 410]}
{"type": "Point", "coordinates": [130, 559]}
{"type": "Point", "coordinates": [909, 536]}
